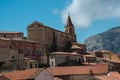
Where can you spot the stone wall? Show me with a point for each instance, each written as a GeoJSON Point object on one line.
{"type": "Point", "coordinates": [48, 36]}
{"type": "Point", "coordinates": [11, 35]}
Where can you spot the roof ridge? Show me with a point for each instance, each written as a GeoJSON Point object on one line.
{"type": "Point", "coordinates": [37, 72]}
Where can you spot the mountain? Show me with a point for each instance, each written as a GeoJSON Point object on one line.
{"type": "Point", "coordinates": [108, 40]}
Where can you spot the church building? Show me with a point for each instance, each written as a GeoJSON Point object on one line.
{"type": "Point", "coordinates": [53, 40]}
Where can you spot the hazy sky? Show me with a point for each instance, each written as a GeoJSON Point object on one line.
{"type": "Point", "coordinates": [89, 17]}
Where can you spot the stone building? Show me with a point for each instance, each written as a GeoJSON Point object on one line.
{"type": "Point", "coordinates": [8, 59]}
{"type": "Point", "coordinates": [112, 59]}
{"type": "Point", "coordinates": [11, 35]}
{"type": "Point", "coordinates": [31, 49]}
{"type": "Point", "coordinates": [65, 59]}
{"type": "Point", "coordinates": [52, 39]}
{"type": "Point", "coordinates": [78, 48]}
{"type": "Point", "coordinates": [29, 64]}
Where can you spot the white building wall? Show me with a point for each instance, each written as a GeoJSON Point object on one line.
{"type": "Point", "coordinates": [52, 62]}
{"type": "Point", "coordinates": [44, 75]}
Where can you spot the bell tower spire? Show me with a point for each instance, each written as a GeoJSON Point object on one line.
{"type": "Point", "coordinates": [69, 28]}
{"type": "Point", "coordinates": [69, 22]}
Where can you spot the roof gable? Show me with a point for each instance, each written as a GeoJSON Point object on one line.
{"type": "Point", "coordinates": [35, 24]}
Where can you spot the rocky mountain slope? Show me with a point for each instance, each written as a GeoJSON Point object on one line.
{"type": "Point", "coordinates": [108, 40]}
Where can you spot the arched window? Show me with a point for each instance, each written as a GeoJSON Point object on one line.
{"type": "Point", "coordinates": [36, 65]}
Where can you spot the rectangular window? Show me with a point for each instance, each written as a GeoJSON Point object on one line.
{"type": "Point", "coordinates": [36, 65]}
{"type": "Point", "coordinates": [31, 52]}
{"type": "Point", "coordinates": [61, 35]}
{"type": "Point", "coordinates": [30, 65]}
{"type": "Point", "coordinates": [28, 52]}
{"type": "Point", "coordinates": [38, 52]}
{"type": "Point", "coordinates": [66, 37]}
{"type": "Point", "coordinates": [52, 64]}
{"type": "Point", "coordinates": [20, 50]}
{"type": "Point", "coordinates": [26, 64]}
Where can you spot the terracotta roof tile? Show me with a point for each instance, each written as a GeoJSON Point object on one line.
{"type": "Point", "coordinates": [23, 74]}
{"type": "Point", "coordinates": [110, 76]}
{"type": "Point", "coordinates": [109, 56]}
{"type": "Point", "coordinates": [97, 69]}
{"type": "Point", "coordinates": [3, 78]}
{"type": "Point", "coordinates": [112, 58]}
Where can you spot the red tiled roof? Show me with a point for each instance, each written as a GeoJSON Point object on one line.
{"type": "Point", "coordinates": [110, 76]}
{"type": "Point", "coordinates": [112, 60]}
{"type": "Point", "coordinates": [23, 74]}
{"type": "Point", "coordinates": [109, 56]}
{"type": "Point", "coordinates": [115, 75]}
{"type": "Point", "coordinates": [74, 70]}
{"type": "Point", "coordinates": [3, 78]}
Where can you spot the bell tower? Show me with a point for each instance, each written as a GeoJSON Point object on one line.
{"type": "Point", "coordinates": [69, 28]}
